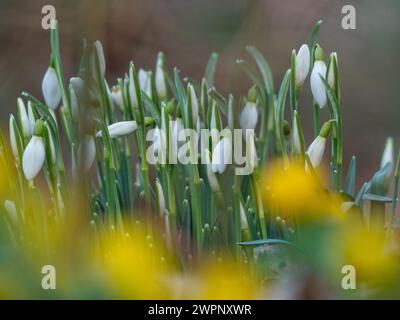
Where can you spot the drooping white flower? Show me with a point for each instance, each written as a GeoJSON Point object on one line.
{"type": "Point", "coordinates": [116, 96]}
{"type": "Point", "coordinates": [160, 197]}
{"type": "Point", "coordinates": [120, 129]}
{"type": "Point", "coordinates": [317, 85]}
{"type": "Point", "coordinates": [388, 153]}
{"type": "Point", "coordinates": [302, 64]}
{"type": "Point", "coordinates": [13, 136]}
{"type": "Point", "coordinates": [221, 155]}
{"type": "Point", "coordinates": [316, 149]}
{"type": "Point", "coordinates": [160, 79]}
{"type": "Point", "coordinates": [212, 179]}
{"type": "Point", "coordinates": [24, 120]}
{"type": "Point", "coordinates": [34, 154]}
{"type": "Point", "coordinates": [249, 116]}
{"type": "Point", "coordinates": [195, 106]}
{"type": "Point", "coordinates": [31, 118]}
{"type": "Point", "coordinates": [51, 89]}
{"type": "Point", "coordinates": [87, 152]}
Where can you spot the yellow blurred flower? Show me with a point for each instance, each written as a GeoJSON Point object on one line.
{"type": "Point", "coordinates": [137, 269]}
{"type": "Point", "coordinates": [293, 191]}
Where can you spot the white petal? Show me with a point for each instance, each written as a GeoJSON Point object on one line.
{"type": "Point", "coordinates": [243, 219]}
{"type": "Point", "coordinates": [222, 155]}
{"type": "Point", "coordinates": [33, 157]}
{"type": "Point", "coordinates": [249, 116]}
{"type": "Point", "coordinates": [317, 86]}
{"type": "Point", "coordinates": [100, 54]}
{"type": "Point", "coordinates": [23, 118]}
{"type": "Point", "coordinates": [116, 96]}
{"type": "Point", "coordinates": [388, 153]}
{"type": "Point", "coordinates": [160, 195]}
{"type": "Point", "coordinates": [212, 179]}
{"type": "Point", "coordinates": [302, 64]}
{"type": "Point", "coordinates": [296, 137]}
{"type": "Point", "coordinates": [120, 129]}
{"type": "Point", "coordinates": [51, 89]}
{"type": "Point", "coordinates": [13, 137]}
{"type": "Point", "coordinates": [31, 118]}
{"type": "Point", "coordinates": [160, 81]}
{"type": "Point", "coordinates": [132, 90]}
{"type": "Point", "coordinates": [331, 75]}
{"type": "Point", "coordinates": [316, 151]}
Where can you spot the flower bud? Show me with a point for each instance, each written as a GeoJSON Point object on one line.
{"type": "Point", "coordinates": [160, 197]}
{"type": "Point", "coordinates": [388, 153]}
{"type": "Point", "coordinates": [195, 106]}
{"type": "Point", "coordinates": [317, 85]}
{"type": "Point", "coordinates": [212, 179]}
{"type": "Point", "coordinates": [222, 155]}
{"type": "Point", "coordinates": [100, 54]}
{"type": "Point", "coordinates": [87, 152]}
{"type": "Point", "coordinates": [145, 81]}
{"type": "Point", "coordinates": [132, 90]}
{"type": "Point", "coordinates": [302, 64]}
{"type": "Point", "coordinates": [31, 118]}
{"type": "Point", "coordinates": [11, 211]}
{"type": "Point", "coordinates": [116, 96]}
{"type": "Point", "coordinates": [14, 136]}
{"type": "Point", "coordinates": [120, 129]}
{"type": "Point", "coordinates": [51, 89]}
{"type": "Point", "coordinates": [34, 154]}
{"type": "Point", "coordinates": [316, 149]}
{"type": "Point", "coordinates": [161, 81]}
{"type": "Point", "coordinates": [23, 119]}
{"type": "Point", "coordinates": [243, 219]}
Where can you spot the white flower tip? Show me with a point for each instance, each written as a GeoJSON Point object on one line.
{"type": "Point", "coordinates": [51, 89]}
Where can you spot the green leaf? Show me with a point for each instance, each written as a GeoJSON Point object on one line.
{"type": "Point", "coordinates": [264, 68]}
{"type": "Point", "coordinates": [210, 69]}
{"type": "Point", "coordinates": [313, 43]}
{"type": "Point", "coordinates": [376, 197]}
{"type": "Point", "coordinates": [281, 113]}
{"type": "Point", "coordinates": [266, 241]}
{"type": "Point", "coordinates": [350, 183]}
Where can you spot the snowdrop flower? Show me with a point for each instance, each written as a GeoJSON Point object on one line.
{"type": "Point", "coordinates": [145, 81]}
{"type": "Point", "coordinates": [161, 81]}
{"type": "Point", "coordinates": [87, 152]}
{"type": "Point", "coordinates": [296, 136]}
{"type": "Point", "coordinates": [51, 143]}
{"type": "Point", "coordinates": [251, 152]}
{"type": "Point", "coordinates": [317, 85]}
{"type": "Point", "coordinates": [316, 149]}
{"type": "Point", "coordinates": [24, 120]}
{"type": "Point", "coordinates": [302, 64]}
{"type": "Point", "coordinates": [34, 154]}
{"type": "Point", "coordinates": [212, 179]}
{"type": "Point", "coordinates": [160, 144]}
{"type": "Point", "coordinates": [221, 155]}
{"type": "Point", "coordinates": [331, 70]}
{"type": "Point", "coordinates": [31, 118]}
{"type": "Point", "coordinates": [78, 86]}
{"type": "Point", "coordinates": [120, 129]}
{"type": "Point", "coordinates": [388, 153]}
{"type": "Point", "coordinates": [195, 106]}
{"type": "Point", "coordinates": [160, 197]}
{"type": "Point", "coordinates": [230, 113]}
{"type": "Point", "coordinates": [13, 136]}
{"type": "Point", "coordinates": [116, 96]}
{"type": "Point", "coordinates": [51, 89]}
{"type": "Point", "coordinates": [74, 103]}
{"type": "Point", "coordinates": [249, 116]}
{"type": "Point", "coordinates": [215, 122]}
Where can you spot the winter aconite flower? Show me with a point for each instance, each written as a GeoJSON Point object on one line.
{"type": "Point", "coordinates": [302, 64]}
{"type": "Point", "coordinates": [316, 149]}
{"type": "Point", "coordinates": [249, 115]}
{"type": "Point", "coordinates": [51, 89]}
{"type": "Point", "coordinates": [34, 154]}
{"type": "Point", "coordinates": [317, 85]}
{"type": "Point", "coordinates": [120, 129]}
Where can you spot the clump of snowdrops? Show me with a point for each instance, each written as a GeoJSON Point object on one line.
{"type": "Point", "coordinates": [77, 190]}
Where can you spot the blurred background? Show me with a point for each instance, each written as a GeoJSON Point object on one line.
{"type": "Point", "coordinates": [187, 31]}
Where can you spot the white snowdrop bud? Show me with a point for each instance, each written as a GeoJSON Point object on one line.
{"type": "Point", "coordinates": [251, 153]}
{"type": "Point", "coordinates": [51, 89]}
{"type": "Point", "coordinates": [87, 152]}
{"type": "Point", "coordinates": [34, 154]}
{"type": "Point", "coordinates": [302, 64]}
{"type": "Point", "coordinates": [317, 85]}
{"type": "Point", "coordinates": [221, 155]}
{"type": "Point", "coordinates": [249, 116]}
{"type": "Point", "coordinates": [161, 81]}
{"type": "Point", "coordinates": [132, 90]}
{"type": "Point", "coordinates": [212, 179]}
{"type": "Point", "coordinates": [316, 149]}
{"type": "Point", "coordinates": [23, 119]}
{"type": "Point", "coordinates": [120, 129]}
{"type": "Point", "coordinates": [116, 96]}
{"type": "Point", "coordinates": [13, 136]}
{"type": "Point", "coordinates": [195, 106]}
{"type": "Point", "coordinates": [145, 81]}
{"type": "Point", "coordinates": [31, 118]}
{"type": "Point", "coordinates": [160, 197]}
{"type": "Point", "coordinates": [296, 137]}
{"type": "Point", "coordinates": [331, 70]}
{"type": "Point", "coordinates": [388, 153]}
